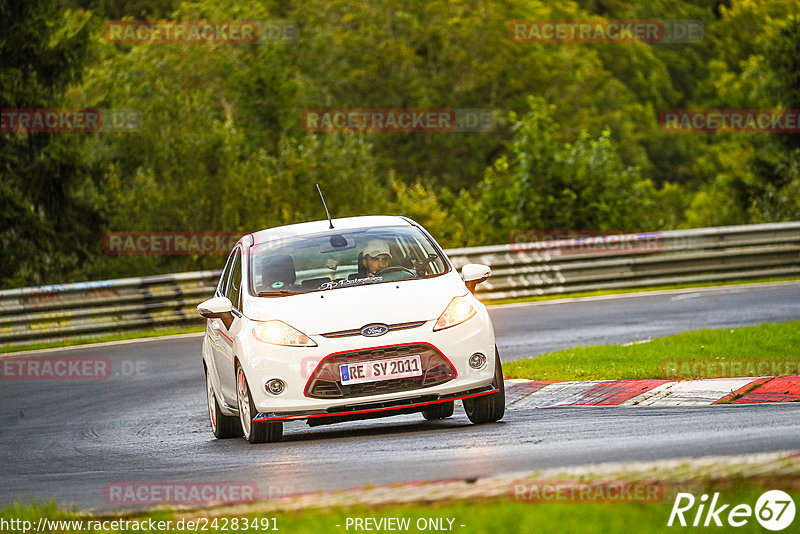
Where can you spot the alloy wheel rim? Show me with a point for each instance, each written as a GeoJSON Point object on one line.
{"type": "Point", "coordinates": [244, 403]}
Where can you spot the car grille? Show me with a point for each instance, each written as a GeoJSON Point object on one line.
{"type": "Point", "coordinates": [390, 328]}
{"type": "Point", "coordinates": [325, 383]}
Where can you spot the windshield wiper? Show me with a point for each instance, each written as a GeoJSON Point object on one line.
{"type": "Point", "coordinates": [281, 293]}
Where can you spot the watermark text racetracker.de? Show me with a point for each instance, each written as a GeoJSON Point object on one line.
{"type": "Point", "coordinates": [70, 120]}
{"type": "Point", "coordinates": [639, 491]}
{"type": "Point", "coordinates": [565, 242]}
{"type": "Point", "coordinates": [69, 368]}
{"type": "Point", "coordinates": [398, 120]}
{"type": "Point", "coordinates": [727, 368]}
{"type": "Point", "coordinates": [606, 31]}
{"type": "Point", "coordinates": [153, 493]}
{"type": "Point", "coordinates": [730, 121]}
{"type": "Point", "coordinates": [169, 243]}
{"type": "Point", "coordinates": [133, 32]}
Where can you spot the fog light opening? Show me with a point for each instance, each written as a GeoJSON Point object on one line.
{"type": "Point", "coordinates": [275, 386]}
{"type": "Point", "coordinates": [477, 361]}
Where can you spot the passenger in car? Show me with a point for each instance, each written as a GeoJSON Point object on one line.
{"type": "Point", "coordinates": [278, 272]}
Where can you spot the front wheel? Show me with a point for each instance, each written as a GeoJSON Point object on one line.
{"type": "Point", "coordinates": [254, 432]}
{"type": "Point", "coordinates": [489, 408]}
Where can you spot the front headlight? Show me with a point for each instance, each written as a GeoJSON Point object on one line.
{"type": "Point", "coordinates": [459, 310]}
{"type": "Point", "coordinates": [280, 333]}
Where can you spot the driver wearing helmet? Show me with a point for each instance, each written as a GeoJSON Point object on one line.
{"type": "Point", "coordinates": [375, 256]}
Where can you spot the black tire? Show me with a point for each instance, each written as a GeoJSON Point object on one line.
{"type": "Point", "coordinates": [252, 431]}
{"type": "Point", "coordinates": [439, 411]}
{"type": "Point", "coordinates": [223, 426]}
{"type": "Point", "coordinates": [489, 408]}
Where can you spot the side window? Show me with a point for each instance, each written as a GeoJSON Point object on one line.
{"type": "Point", "coordinates": [234, 290]}
{"type": "Point", "coordinates": [222, 286]}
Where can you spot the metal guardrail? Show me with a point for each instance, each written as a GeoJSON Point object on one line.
{"type": "Point", "coordinates": [637, 260]}
{"type": "Point", "coordinates": [91, 309]}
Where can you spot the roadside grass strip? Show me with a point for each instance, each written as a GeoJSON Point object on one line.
{"type": "Point", "coordinates": [656, 373]}
{"type": "Point", "coordinates": [588, 499]}
{"type": "Point", "coordinates": [681, 474]}
{"type": "Point", "coordinates": [764, 350]}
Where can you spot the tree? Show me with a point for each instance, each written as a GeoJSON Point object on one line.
{"type": "Point", "coordinates": [780, 197]}
{"type": "Point", "coordinates": [46, 224]}
{"type": "Point", "coordinates": [117, 9]}
{"type": "Point", "coordinates": [751, 178]}
{"type": "Point", "coordinates": [542, 184]}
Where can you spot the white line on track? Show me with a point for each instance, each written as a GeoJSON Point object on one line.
{"type": "Point", "coordinates": [688, 290]}
{"type": "Point", "coordinates": [86, 346]}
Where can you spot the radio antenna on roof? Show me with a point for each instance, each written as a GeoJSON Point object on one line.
{"type": "Point", "coordinates": [325, 206]}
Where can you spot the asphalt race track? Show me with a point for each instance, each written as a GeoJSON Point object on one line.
{"type": "Point", "coordinates": [66, 440]}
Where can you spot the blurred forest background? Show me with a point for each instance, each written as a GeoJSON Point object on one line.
{"type": "Point", "coordinates": [577, 144]}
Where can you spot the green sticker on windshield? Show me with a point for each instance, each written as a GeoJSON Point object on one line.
{"type": "Point", "coordinates": [277, 285]}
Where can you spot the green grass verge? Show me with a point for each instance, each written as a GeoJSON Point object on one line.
{"type": "Point", "coordinates": [503, 515]}
{"type": "Point", "coordinates": [776, 343]}
{"type": "Point", "coordinates": [103, 339]}
{"type": "Point", "coordinates": [579, 294]}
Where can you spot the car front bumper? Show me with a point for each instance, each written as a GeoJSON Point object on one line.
{"type": "Point", "coordinates": [295, 365]}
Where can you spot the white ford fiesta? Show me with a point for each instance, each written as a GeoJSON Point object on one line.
{"type": "Point", "coordinates": [353, 318]}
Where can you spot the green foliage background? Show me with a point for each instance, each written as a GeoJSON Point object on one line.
{"type": "Point", "coordinates": [577, 144]}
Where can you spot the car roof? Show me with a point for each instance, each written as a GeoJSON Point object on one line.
{"type": "Point", "coordinates": [316, 227]}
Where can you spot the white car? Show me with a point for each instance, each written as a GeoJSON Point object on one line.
{"type": "Point", "coordinates": [348, 319]}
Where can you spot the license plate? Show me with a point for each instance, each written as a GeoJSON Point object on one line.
{"type": "Point", "coordinates": [355, 373]}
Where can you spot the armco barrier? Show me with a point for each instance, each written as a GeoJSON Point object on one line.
{"type": "Point", "coordinates": [91, 309]}
{"type": "Point", "coordinates": [72, 311]}
{"type": "Point", "coordinates": [654, 258]}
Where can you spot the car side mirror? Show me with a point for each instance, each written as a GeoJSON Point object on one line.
{"type": "Point", "coordinates": [217, 308]}
{"type": "Point", "coordinates": [475, 273]}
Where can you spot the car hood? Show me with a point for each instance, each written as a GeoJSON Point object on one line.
{"type": "Point", "coordinates": [354, 307]}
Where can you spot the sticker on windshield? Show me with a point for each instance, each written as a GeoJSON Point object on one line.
{"type": "Point", "coordinates": [277, 285]}
{"type": "Point", "coordinates": [355, 281]}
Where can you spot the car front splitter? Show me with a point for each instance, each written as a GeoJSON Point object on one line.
{"type": "Point", "coordinates": [370, 411]}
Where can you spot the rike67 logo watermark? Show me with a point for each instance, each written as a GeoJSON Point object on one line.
{"type": "Point", "coordinates": [774, 510]}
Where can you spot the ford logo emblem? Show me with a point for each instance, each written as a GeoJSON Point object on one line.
{"type": "Point", "coordinates": [374, 330]}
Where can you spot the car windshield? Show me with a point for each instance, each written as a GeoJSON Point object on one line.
{"type": "Point", "coordinates": [339, 259]}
